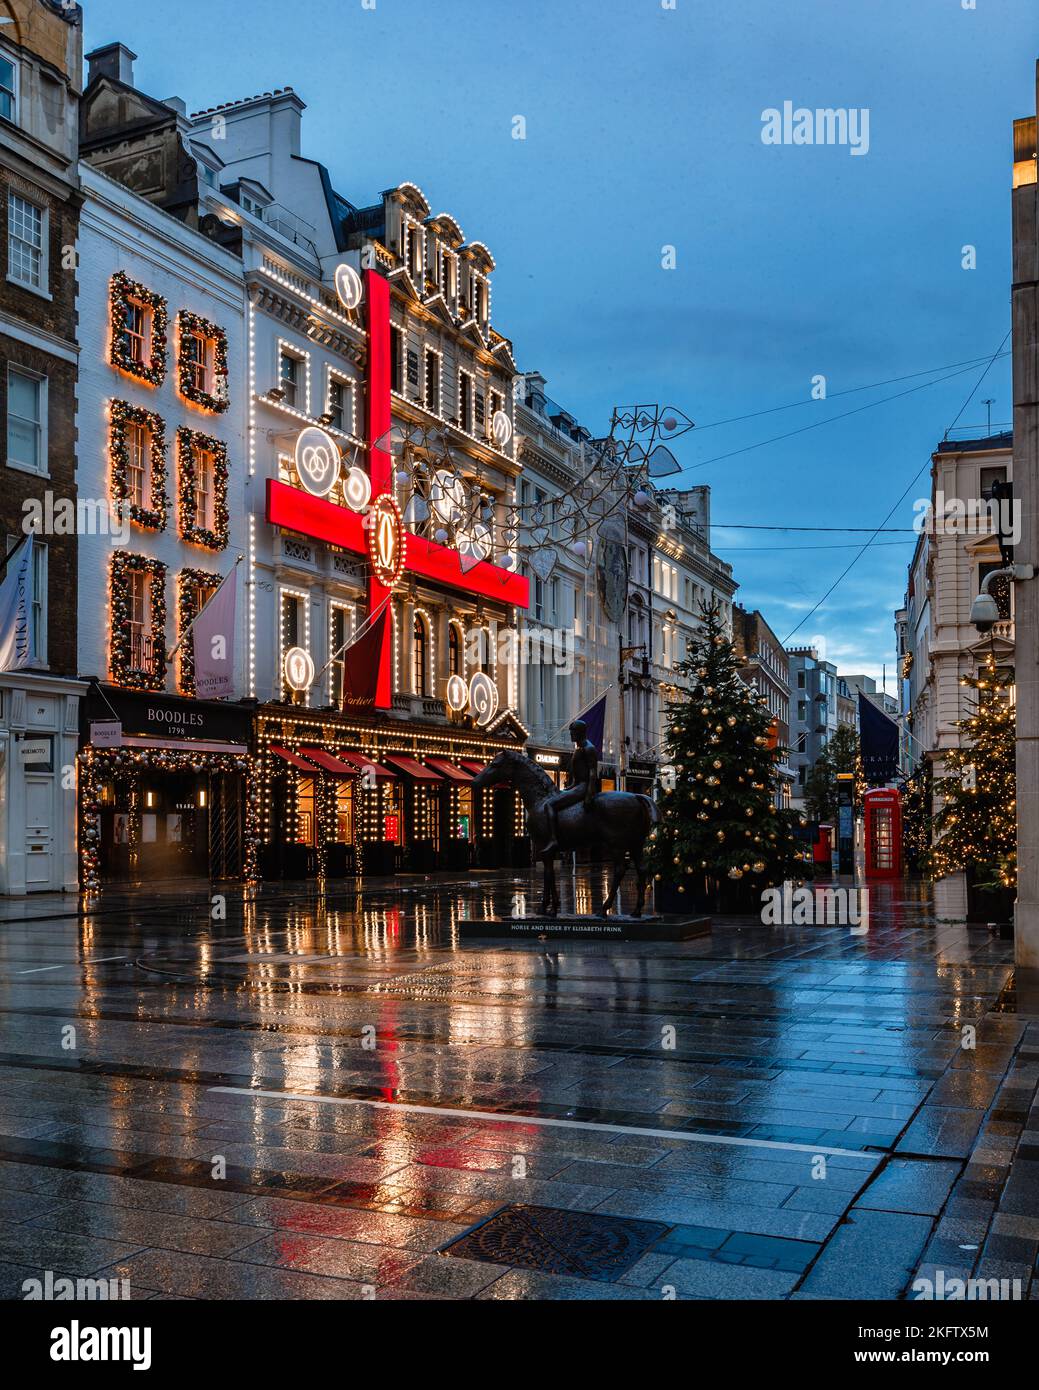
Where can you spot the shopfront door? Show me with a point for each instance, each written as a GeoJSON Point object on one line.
{"type": "Point", "coordinates": [40, 865]}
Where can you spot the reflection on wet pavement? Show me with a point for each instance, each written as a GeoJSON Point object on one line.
{"type": "Point", "coordinates": [309, 1097]}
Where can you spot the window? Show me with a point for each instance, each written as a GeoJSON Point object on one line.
{"type": "Point", "coordinates": [138, 469]}
{"type": "Point", "coordinates": [479, 413]}
{"type": "Point", "coordinates": [38, 597]}
{"type": "Point", "coordinates": [800, 680]}
{"type": "Point", "coordinates": [139, 321]}
{"type": "Point", "coordinates": [420, 655]}
{"type": "Point", "coordinates": [465, 401]}
{"type": "Point", "coordinates": [447, 276]}
{"type": "Point", "coordinates": [26, 405]}
{"type": "Point", "coordinates": [396, 359]}
{"type": "Point", "coordinates": [202, 499]}
{"type": "Point", "coordinates": [137, 333]}
{"type": "Point", "coordinates": [199, 356]}
{"type": "Point", "coordinates": [337, 664]}
{"type": "Point", "coordinates": [338, 399]}
{"type": "Point", "coordinates": [802, 710]}
{"type": "Point", "coordinates": [26, 250]}
{"type": "Point", "coordinates": [432, 381]}
{"type": "Point", "coordinates": [454, 651]}
{"type": "Point", "coordinates": [138, 618]}
{"type": "Point", "coordinates": [8, 89]}
{"type": "Point", "coordinates": [999, 589]}
{"type": "Point", "coordinates": [288, 378]}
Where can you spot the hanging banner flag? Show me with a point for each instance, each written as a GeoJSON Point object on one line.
{"type": "Point", "coordinates": [362, 666]}
{"type": "Point", "coordinates": [595, 723]}
{"type": "Point", "coordinates": [878, 741]}
{"type": "Point", "coordinates": [16, 634]}
{"type": "Point", "coordinates": [213, 635]}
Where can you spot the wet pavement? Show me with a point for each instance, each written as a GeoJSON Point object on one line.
{"type": "Point", "coordinates": [297, 1097]}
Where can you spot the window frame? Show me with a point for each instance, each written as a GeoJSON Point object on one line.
{"type": "Point", "coordinates": [41, 469]}
{"type": "Point", "coordinates": [43, 288]}
{"type": "Point", "coordinates": [15, 88]}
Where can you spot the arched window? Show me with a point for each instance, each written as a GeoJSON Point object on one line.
{"type": "Point", "coordinates": [454, 651]}
{"type": "Point", "coordinates": [420, 655]}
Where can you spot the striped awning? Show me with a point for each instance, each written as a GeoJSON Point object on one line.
{"type": "Point", "coordinates": [330, 764]}
{"type": "Point", "coordinates": [411, 768]}
{"type": "Point", "coordinates": [363, 763]}
{"type": "Point", "coordinates": [451, 771]}
{"type": "Point", "coordinates": [293, 759]}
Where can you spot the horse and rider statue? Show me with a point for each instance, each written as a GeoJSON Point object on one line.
{"type": "Point", "coordinates": [580, 816]}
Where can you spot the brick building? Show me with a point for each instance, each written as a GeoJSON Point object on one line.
{"type": "Point", "coordinates": [40, 62]}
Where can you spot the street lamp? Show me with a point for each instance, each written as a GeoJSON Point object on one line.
{"type": "Point", "coordinates": [984, 611]}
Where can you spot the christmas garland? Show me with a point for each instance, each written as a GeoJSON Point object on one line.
{"type": "Point", "coordinates": [101, 765]}
{"type": "Point", "coordinates": [187, 442]}
{"type": "Point", "coordinates": [121, 413]}
{"type": "Point", "coordinates": [123, 673]}
{"type": "Point", "coordinates": [121, 291]}
{"type": "Point", "coordinates": [188, 582]}
{"type": "Point", "coordinates": [189, 324]}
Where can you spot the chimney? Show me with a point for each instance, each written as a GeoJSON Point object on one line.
{"type": "Point", "coordinates": [114, 60]}
{"type": "Point", "coordinates": [177, 103]}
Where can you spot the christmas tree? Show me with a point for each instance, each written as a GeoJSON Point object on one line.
{"type": "Point", "coordinates": [917, 816]}
{"type": "Point", "coordinates": [719, 820]}
{"type": "Point", "coordinates": [975, 828]}
{"type": "Point", "coordinates": [841, 754]}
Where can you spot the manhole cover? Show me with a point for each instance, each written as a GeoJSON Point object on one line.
{"type": "Point", "coordinates": [579, 1243]}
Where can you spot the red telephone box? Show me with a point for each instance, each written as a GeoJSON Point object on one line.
{"type": "Point", "coordinates": [822, 847]}
{"type": "Point", "coordinates": [883, 808]}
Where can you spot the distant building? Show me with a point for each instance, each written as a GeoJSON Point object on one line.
{"type": "Point", "coordinates": [765, 666]}
{"type": "Point", "coordinates": [813, 713]}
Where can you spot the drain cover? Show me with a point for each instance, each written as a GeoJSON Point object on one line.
{"type": "Point", "coordinates": [579, 1243]}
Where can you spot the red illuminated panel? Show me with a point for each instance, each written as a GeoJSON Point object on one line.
{"type": "Point", "coordinates": [327, 521]}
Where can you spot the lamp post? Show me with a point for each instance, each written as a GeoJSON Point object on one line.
{"type": "Point", "coordinates": [622, 747]}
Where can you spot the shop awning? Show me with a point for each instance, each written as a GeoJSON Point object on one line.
{"type": "Point", "coordinates": [471, 765]}
{"type": "Point", "coordinates": [413, 769]}
{"type": "Point", "coordinates": [451, 771]}
{"type": "Point", "coordinates": [326, 761]}
{"type": "Point", "coordinates": [293, 759]}
{"type": "Point", "coordinates": [358, 760]}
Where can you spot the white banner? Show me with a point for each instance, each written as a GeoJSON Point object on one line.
{"type": "Point", "coordinates": [213, 635]}
{"type": "Point", "coordinates": [16, 636]}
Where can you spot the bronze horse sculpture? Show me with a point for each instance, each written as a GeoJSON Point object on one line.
{"type": "Point", "coordinates": [618, 823]}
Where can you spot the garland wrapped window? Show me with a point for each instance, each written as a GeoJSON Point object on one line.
{"type": "Point", "coordinates": [189, 584]}
{"type": "Point", "coordinates": [151, 510]}
{"type": "Point", "coordinates": [192, 489]}
{"type": "Point", "coordinates": [138, 321]}
{"type": "Point", "coordinates": [138, 657]}
{"type": "Point", "coordinates": [202, 362]}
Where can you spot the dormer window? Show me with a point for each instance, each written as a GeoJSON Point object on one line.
{"type": "Point", "coordinates": [448, 273]}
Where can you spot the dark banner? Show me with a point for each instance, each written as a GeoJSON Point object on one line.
{"type": "Point", "coordinates": [361, 666]}
{"type": "Point", "coordinates": [878, 740]}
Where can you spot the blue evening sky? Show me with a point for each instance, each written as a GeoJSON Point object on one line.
{"type": "Point", "coordinates": [643, 129]}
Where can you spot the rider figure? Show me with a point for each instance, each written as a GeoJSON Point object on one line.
{"type": "Point", "coordinates": [582, 785]}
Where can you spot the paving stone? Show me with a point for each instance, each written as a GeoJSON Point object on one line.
{"type": "Point", "coordinates": [871, 1256]}
{"type": "Point", "coordinates": [909, 1185]}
